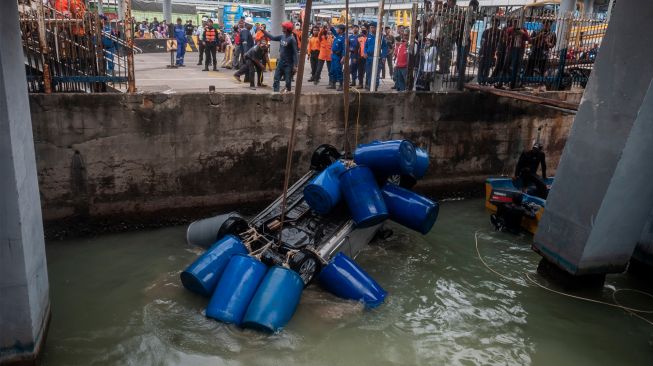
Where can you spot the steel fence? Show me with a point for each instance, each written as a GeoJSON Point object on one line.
{"type": "Point", "coordinates": [513, 49]}
{"type": "Point", "coordinates": [73, 52]}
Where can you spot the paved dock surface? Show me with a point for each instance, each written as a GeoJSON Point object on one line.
{"type": "Point", "coordinates": [152, 75]}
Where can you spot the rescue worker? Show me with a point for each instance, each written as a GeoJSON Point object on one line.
{"type": "Point", "coordinates": [354, 55]}
{"type": "Point", "coordinates": [314, 51]}
{"type": "Point", "coordinates": [368, 55]}
{"type": "Point", "coordinates": [180, 35]}
{"type": "Point", "coordinates": [526, 169]}
{"type": "Point", "coordinates": [108, 43]}
{"type": "Point", "coordinates": [211, 44]}
{"type": "Point", "coordinates": [337, 57]}
{"type": "Point", "coordinates": [287, 63]}
{"type": "Point", "coordinates": [326, 41]}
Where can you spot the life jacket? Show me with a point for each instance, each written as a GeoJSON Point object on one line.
{"type": "Point", "coordinates": [210, 35]}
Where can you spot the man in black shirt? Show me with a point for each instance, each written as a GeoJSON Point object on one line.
{"type": "Point", "coordinates": [287, 62]}
{"type": "Point", "coordinates": [527, 166]}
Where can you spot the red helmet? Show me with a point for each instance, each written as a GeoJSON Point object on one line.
{"type": "Point", "coordinates": [287, 26]}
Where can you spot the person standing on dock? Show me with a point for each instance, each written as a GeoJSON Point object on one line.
{"type": "Point", "coordinates": [199, 32]}
{"type": "Point", "coordinates": [211, 44]}
{"type": "Point", "coordinates": [287, 55]}
{"type": "Point", "coordinates": [180, 35]}
{"type": "Point", "coordinates": [337, 57]}
{"type": "Point", "coordinates": [314, 51]}
{"type": "Point", "coordinates": [368, 55]}
{"type": "Point", "coordinates": [361, 61]}
{"type": "Point", "coordinates": [354, 55]}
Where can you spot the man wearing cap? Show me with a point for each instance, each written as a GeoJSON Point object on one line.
{"type": "Point", "coordinates": [337, 57]}
{"type": "Point", "coordinates": [287, 55]}
{"type": "Point", "coordinates": [180, 35]}
{"type": "Point", "coordinates": [246, 38]}
{"type": "Point", "coordinates": [354, 55]}
{"type": "Point", "coordinates": [368, 55]}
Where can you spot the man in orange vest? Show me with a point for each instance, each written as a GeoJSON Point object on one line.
{"type": "Point", "coordinates": [211, 44]}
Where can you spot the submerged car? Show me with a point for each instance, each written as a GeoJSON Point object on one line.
{"type": "Point", "coordinates": [255, 269]}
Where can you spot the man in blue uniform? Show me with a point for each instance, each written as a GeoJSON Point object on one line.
{"type": "Point", "coordinates": [368, 55]}
{"type": "Point", "coordinates": [287, 63]}
{"type": "Point", "coordinates": [354, 55]}
{"type": "Point", "coordinates": [180, 35]}
{"type": "Point", "coordinates": [337, 57]}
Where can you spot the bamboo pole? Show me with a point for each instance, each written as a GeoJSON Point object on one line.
{"type": "Point", "coordinates": [377, 48]}
{"type": "Point", "coordinates": [129, 27]}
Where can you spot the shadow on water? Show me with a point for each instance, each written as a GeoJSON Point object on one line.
{"type": "Point", "coordinates": [117, 300]}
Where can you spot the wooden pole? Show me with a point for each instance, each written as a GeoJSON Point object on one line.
{"type": "Point", "coordinates": [295, 104]}
{"type": "Point", "coordinates": [47, 77]}
{"type": "Point", "coordinates": [129, 28]}
{"type": "Point", "coordinates": [377, 47]}
{"type": "Point", "coordinates": [345, 80]}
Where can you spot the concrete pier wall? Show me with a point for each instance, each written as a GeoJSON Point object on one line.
{"type": "Point", "coordinates": [105, 155]}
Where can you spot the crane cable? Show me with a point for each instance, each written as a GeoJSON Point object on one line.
{"type": "Point", "coordinates": [616, 304]}
{"type": "Point", "coordinates": [295, 103]}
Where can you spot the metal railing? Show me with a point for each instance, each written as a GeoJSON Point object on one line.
{"type": "Point", "coordinates": [73, 53]}
{"type": "Point", "coordinates": [555, 51]}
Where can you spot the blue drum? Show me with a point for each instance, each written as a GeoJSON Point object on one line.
{"type": "Point", "coordinates": [387, 158]}
{"type": "Point", "coordinates": [363, 196]}
{"type": "Point", "coordinates": [323, 192]}
{"type": "Point", "coordinates": [275, 300]}
{"type": "Point", "coordinates": [344, 278]}
{"type": "Point", "coordinates": [202, 275]}
{"type": "Point", "coordinates": [236, 289]}
{"type": "Point", "coordinates": [410, 209]}
{"type": "Point", "coordinates": [421, 163]}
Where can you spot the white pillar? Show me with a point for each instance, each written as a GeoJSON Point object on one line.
{"type": "Point", "coordinates": [121, 9]}
{"type": "Point", "coordinates": [602, 195]}
{"type": "Point", "coordinates": [278, 10]}
{"type": "Point", "coordinates": [100, 7]}
{"type": "Point", "coordinates": [167, 11]}
{"type": "Point", "coordinates": [24, 292]}
{"type": "Point", "coordinates": [588, 7]}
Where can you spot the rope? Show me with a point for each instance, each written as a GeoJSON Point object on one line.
{"type": "Point", "coordinates": [358, 116]}
{"type": "Point", "coordinates": [616, 303]}
{"type": "Point", "coordinates": [295, 103]}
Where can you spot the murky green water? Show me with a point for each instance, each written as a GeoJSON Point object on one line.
{"type": "Point", "coordinates": [117, 300]}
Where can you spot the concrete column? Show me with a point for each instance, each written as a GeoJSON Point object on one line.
{"type": "Point", "coordinates": [603, 194]}
{"type": "Point", "coordinates": [100, 7]}
{"type": "Point", "coordinates": [278, 11]}
{"type": "Point", "coordinates": [24, 299]}
{"type": "Point", "coordinates": [588, 7]}
{"type": "Point", "coordinates": [121, 9]}
{"type": "Point", "coordinates": [566, 6]}
{"type": "Point", "coordinates": [644, 249]}
{"type": "Point", "coordinates": [167, 11]}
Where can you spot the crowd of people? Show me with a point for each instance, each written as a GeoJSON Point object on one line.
{"type": "Point", "coordinates": [440, 37]}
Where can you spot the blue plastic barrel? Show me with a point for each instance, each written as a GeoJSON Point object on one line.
{"type": "Point", "coordinates": [275, 301]}
{"type": "Point", "coordinates": [236, 289]}
{"type": "Point", "coordinates": [323, 192]}
{"type": "Point", "coordinates": [421, 163]}
{"type": "Point", "coordinates": [387, 158]}
{"type": "Point", "coordinates": [363, 196]}
{"type": "Point", "coordinates": [344, 278]}
{"type": "Point", "coordinates": [410, 209]}
{"type": "Point", "coordinates": [202, 275]}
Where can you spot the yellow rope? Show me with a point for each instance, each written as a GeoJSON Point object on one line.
{"type": "Point", "coordinates": [358, 116]}
{"type": "Point", "coordinates": [616, 304]}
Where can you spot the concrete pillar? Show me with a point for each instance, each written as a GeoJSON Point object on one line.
{"type": "Point", "coordinates": [100, 7]}
{"type": "Point", "coordinates": [278, 11]}
{"type": "Point", "coordinates": [121, 9]}
{"type": "Point", "coordinates": [588, 7]}
{"type": "Point", "coordinates": [644, 249]}
{"type": "Point", "coordinates": [24, 298]}
{"type": "Point", "coordinates": [603, 194]}
{"type": "Point", "coordinates": [167, 11]}
{"type": "Point", "coordinates": [566, 6]}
